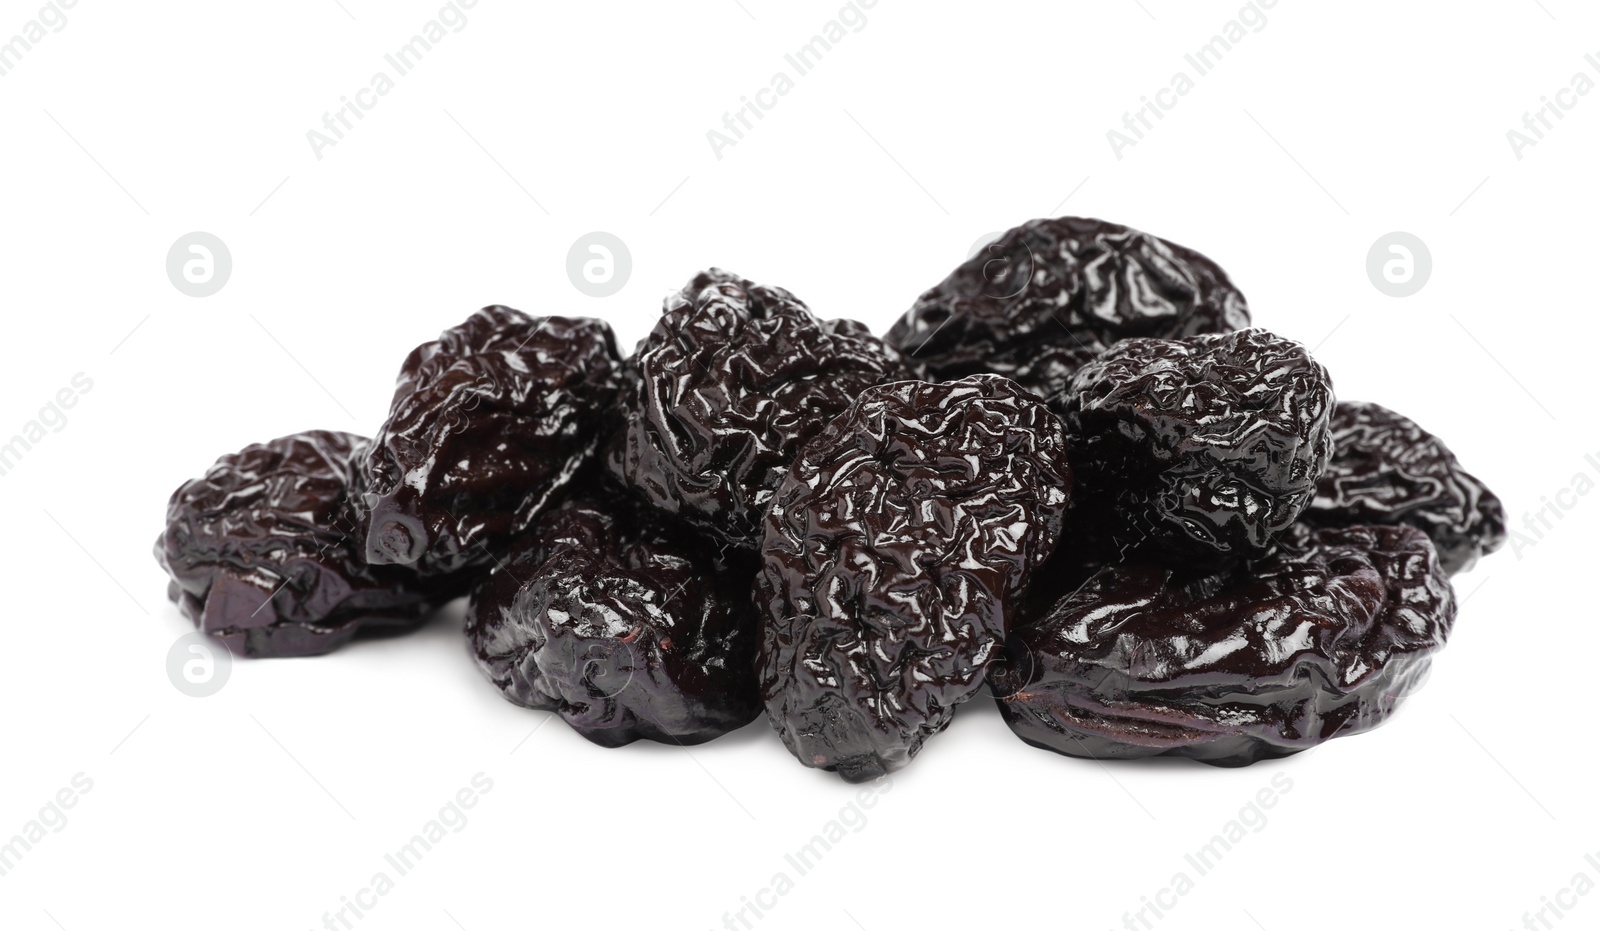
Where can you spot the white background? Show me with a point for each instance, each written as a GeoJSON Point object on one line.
{"type": "Point", "coordinates": [264, 805]}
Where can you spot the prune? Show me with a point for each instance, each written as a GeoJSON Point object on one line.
{"type": "Point", "coordinates": [733, 380]}
{"type": "Point", "coordinates": [1321, 639]}
{"type": "Point", "coordinates": [265, 552]}
{"type": "Point", "coordinates": [1196, 447]}
{"type": "Point", "coordinates": [896, 549]}
{"type": "Point", "coordinates": [1049, 295]}
{"type": "Point", "coordinates": [628, 627]}
{"type": "Point", "coordinates": [1387, 470]}
{"type": "Point", "coordinates": [488, 423]}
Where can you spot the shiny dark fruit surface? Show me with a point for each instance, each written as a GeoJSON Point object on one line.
{"type": "Point", "coordinates": [622, 622]}
{"type": "Point", "coordinates": [266, 554]}
{"type": "Point", "coordinates": [1051, 294]}
{"type": "Point", "coordinates": [1072, 472]}
{"type": "Point", "coordinates": [896, 549]}
{"type": "Point", "coordinates": [488, 424]}
{"type": "Point", "coordinates": [1323, 638]}
{"type": "Point", "coordinates": [1387, 470]}
{"type": "Point", "coordinates": [722, 394]}
{"type": "Point", "coordinates": [1197, 448]}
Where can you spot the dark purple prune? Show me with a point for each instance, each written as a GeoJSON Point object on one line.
{"type": "Point", "coordinates": [488, 423]}
{"type": "Point", "coordinates": [1197, 447]}
{"type": "Point", "coordinates": [1321, 639]}
{"type": "Point", "coordinates": [1049, 295]}
{"type": "Point", "coordinates": [265, 552]}
{"type": "Point", "coordinates": [733, 380]}
{"type": "Point", "coordinates": [1387, 470]}
{"type": "Point", "coordinates": [623, 623]}
{"type": "Point", "coordinates": [895, 552]}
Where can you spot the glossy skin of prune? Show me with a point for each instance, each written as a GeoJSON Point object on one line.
{"type": "Point", "coordinates": [895, 552]}
{"type": "Point", "coordinates": [265, 552]}
{"type": "Point", "coordinates": [627, 626]}
{"type": "Point", "coordinates": [722, 394]}
{"type": "Point", "coordinates": [1387, 470]}
{"type": "Point", "coordinates": [1321, 639]}
{"type": "Point", "coordinates": [488, 424]}
{"type": "Point", "coordinates": [1049, 295]}
{"type": "Point", "coordinates": [1200, 447]}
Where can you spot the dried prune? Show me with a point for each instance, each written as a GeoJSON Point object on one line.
{"type": "Point", "coordinates": [733, 380]}
{"type": "Point", "coordinates": [1049, 295]}
{"type": "Point", "coordinates": [1387, 470]}
{"type": "Point", "coordinates": [895, 550]}
{"type": "Point", "coordinates": [488, 423]}
{"type": "Point", "coordinates": [1320, 639]}
{"type": "Point", "coordinates": [1196, 447]}
{"type": "Point", "coordinates": [265, 552]}
{"type": "Point", "coordinates": [624, 624]}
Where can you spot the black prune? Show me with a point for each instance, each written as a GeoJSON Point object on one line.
{"type": "Point", "coordinates": [1321, 639]}
{"type": "Point", "coordinates": [1196, 447]}
{"type": "Point", "coordinates": [265, 552]}
{"type": "Point", "coordinates": [624, 624]}
{"type": "Point", "coordinates": [488, 423]}
{"type": "Point", "coordinates": [895, 551]}
{"type": "Point", "coordinates": [1049, 295]}
{"type": "Point", "coordinates": [1387, 470]}
{"type": "Point", "coordinates": [733, 380]}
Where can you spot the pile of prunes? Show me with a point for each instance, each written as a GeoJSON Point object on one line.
{"type": "Point", "coordinates": [1071, 472]}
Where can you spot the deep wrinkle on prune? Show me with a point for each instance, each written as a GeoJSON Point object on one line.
{"type": "Point", "coordinates": [734, 379]}
{"type": "Point", "coordinates": [1198, 448]}
{"type": "Point", "coordinates": [1323, 638]}
{"type": "Point", "coordinates": [1046, 297]}
{"type": "Point", "coordinates": [1072, 471]}
{"type": "Point", "coordinates": [1386, 469]}
{"type": "Point", "coordinates": [489, 423]}
{"type": "Point", "coordinates": [265, 552]}
{"type": "Point", "coordinates": [623, 622]}
{"type": "Point", "coordinates": [896, 550]}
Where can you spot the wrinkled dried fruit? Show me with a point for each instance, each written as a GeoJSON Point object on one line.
{"type": "Point", "coordinates": [1109, 498]}
{"type": "Point", "coordinates": [1197, 447]}
{"type": "Point", "coordinates": [1050, 295]}
{"type": "Point", "coordinates": [488, 423]}
{"type": "Point", "coordinates": [734, 379]}
{"type": "Point", "coordinates": [895, 551]}
{"type": "Point", "coordinates": [624, 624]}
{"type": "Point", "coordinates": [265, 552]}
{"type": "Point", "coordinates": [1387, 470]}
{"type": "Point", "coordinates": [1322, 639]}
